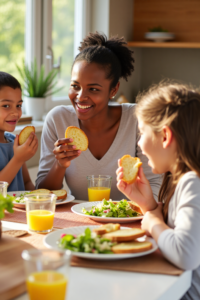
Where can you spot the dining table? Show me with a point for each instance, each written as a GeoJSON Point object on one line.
{"type": "Point", "coordinates": [104, 280]}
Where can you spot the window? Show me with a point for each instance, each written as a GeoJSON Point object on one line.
{"type": "Point", "coordinates": [12, 35]}
{"type": "Point", "coordinates": [63, 41]}
{"type": "Point", "coordinates": [30, 27]}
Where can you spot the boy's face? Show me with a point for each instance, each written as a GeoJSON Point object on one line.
{"type": "Point", "coordinates": [10, 108]}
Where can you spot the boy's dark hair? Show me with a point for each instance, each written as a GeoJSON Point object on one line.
{"type": "Point", "coordinates": [112, 54]}
{"type": "Point", "coordinates": [8, 80]}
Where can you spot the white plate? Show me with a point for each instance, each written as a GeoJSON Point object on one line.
{"type": "Point", "coordinates": [50, 241]}
{"type": "Point", "coordinates": [159, 37]}
{"type": "Point", "coordinates": [77, 209]}
{"type": "Point", "coordinates": [69, 198]}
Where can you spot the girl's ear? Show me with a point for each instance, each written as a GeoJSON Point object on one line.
{"type": "Point", "coordinates": [114, 90]}
{"type": "Point", "coordinates": [167, 136]}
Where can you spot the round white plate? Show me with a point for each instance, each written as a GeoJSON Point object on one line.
{"type": "Point", "coordinates": [50, 241]}
{"type": "Point", "coordinates": [69, 198]}
{"type": "Point", "coordinates": [159, 37]}
{"type": "Point", "coordinates": [77, 209]}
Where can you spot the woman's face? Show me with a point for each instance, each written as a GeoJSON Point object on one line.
{"type": "Point", "coordinates": [89, 89]}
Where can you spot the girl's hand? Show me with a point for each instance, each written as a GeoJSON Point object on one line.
{"type": "Point", "coordinates": [24, 152]}
{"type": "Point", "coordinates": [64, 153]}
{"type": "Point", "coordinates": [153, 222]}
{"type": "Point", "coordinates": [139, 191]}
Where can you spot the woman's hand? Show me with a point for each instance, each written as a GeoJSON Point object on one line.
{"type": "Point", "coordinates": [140, 191]}
{"type": "Point", "coordinates": [153, 222]}
{"type": "Point", "coordinates": [64, 153]}
{"type": "Point", "coordinates": [24, 152]}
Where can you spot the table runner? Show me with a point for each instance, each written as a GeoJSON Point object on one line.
{"type": "Point", "coordinates": [154, 263]}
{"type": "Point", "coordinates": [63, 218]}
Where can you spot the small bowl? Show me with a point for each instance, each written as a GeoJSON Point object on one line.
{"type": "Point", "coordinates": [159, 37]}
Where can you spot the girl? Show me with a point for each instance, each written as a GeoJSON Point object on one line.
{"type": "Point", "coordinates": [12, 156]}
{"type": "Point", "coordinates": [111, 130]}
{"type": "Point", "coordinates": [169, 124]}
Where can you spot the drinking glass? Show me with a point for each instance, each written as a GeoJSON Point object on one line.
{"type": "Point", "coordinates": [47, 273]}
{"type": "Point", "coordinates": [40, 209]}
{"type": "Point", "coordinates": [3, 188]}
{"type": "Point", "coordinates": [99, 187]}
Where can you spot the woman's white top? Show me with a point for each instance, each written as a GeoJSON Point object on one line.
{"type": "Point", "coordinates": [181, 244]}
{"type": "Point", "coordinates": [125, 142]}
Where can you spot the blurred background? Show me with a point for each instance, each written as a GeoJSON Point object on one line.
{"type": "Point", "coordinates": [51, 31]}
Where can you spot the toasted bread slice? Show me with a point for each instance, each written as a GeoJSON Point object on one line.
{"type": "Point", "coordinates": [61, 194]}
{"type": "Point", "coordinates": [24, 134]}
{"type": "Point", "coordinates": [110, 227]}
{"type": "Point", "coordinates": [132, 247]}
{"type": "Point", "coordinates": [130, 168]}
{"type": "Point", "coordinates": [124, 235]}
{"type": "Point", "coordinates": [41, 191]}
{"type": "Point", "coordinates": [135, 207]}
{"type": "Point", "coordinates": [79, 137]}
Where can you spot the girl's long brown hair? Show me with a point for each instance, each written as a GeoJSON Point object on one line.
{"type": "Point", "coordinates": [178, 107]}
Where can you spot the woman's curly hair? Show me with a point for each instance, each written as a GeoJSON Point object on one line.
{"type": "Point", "coordinates": [113, 54]}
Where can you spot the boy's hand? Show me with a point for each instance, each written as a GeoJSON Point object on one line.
{"type": "Point", "coordinates": [24, 152]}
{"type": "Point", "coordinates": [64, 153]}
{"type": "Point", "coordinates": [139, 191]}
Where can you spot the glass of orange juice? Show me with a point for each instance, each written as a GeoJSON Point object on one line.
{"type": "Point", "coordinates": [47, 273]}
{"type": "Point", "coordinates": [99, 187]}
{"type": "Point", "coordinates": [40, 209]}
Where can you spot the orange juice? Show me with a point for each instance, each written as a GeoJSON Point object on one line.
{"type": "Point", "coordinates": [98, 193]}
{"type": "Point", "coordinates": [46, 285]}
{"type": "Point", "coordinates": [40, 220]}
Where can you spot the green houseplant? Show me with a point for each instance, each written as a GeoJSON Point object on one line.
{"type": "Point", "coordinates": [37, 87]}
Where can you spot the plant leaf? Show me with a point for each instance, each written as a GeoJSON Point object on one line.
{"type": "Point", "coordinates": [35, 82]}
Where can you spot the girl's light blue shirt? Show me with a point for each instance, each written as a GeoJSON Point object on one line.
{"type": "Point", "coordinates": [6, 153]}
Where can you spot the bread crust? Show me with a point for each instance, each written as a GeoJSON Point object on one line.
{"type": "Point", "coordinates": [132, 247]}
{"type": "Point", "coordinates": [125, 235]}
{"type": "Point", "coordinates": [84, 136]}
{"type": "Point", "coordinates": [24, 134]}
{"type": "Point", "coordinates": [110, 227]}
{"type": "Point", "coordinates": [137, 165]}
{"type": "Point", "coordinates": [135, 207]}
{"type": "Point", "coordinates": [41, 191]}
{"type": "Point", "coordinates": [61, 194]}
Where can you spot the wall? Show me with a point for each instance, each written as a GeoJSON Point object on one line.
{"type": "Point", "coordinates": [121, 24]}
{"type": "Point", "coordinates": [153, 64]}
{"type": "Point", "coordinates": [179, 64]}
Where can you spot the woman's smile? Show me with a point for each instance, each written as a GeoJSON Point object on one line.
{"type": "Point", "coordinates": [83, 108]}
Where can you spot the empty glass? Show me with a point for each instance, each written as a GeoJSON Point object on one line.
{"type": "Point", "coordinates": [3, 188]}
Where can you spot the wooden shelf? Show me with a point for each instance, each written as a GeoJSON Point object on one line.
{"type": "Point", "coordinates": [144, 44]}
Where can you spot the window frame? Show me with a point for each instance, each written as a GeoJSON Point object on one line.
{"type": "Point", "coordinates": [38, 35]}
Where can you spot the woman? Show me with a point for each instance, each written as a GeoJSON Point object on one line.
{"type": "Point", "coordinates": [111, 130]}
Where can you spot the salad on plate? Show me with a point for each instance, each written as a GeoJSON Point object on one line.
{"type": "Point", "coordinates": [20, 198]}
{"type": "Point", "coordinates": [114, 209]}
{"type": "Point", "coordinates": [88, 242]}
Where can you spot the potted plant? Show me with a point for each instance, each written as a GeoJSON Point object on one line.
{"type": "Point", "coordinates": [36, 88]}
{"type": "Point", "coordinates": [5, 203]}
